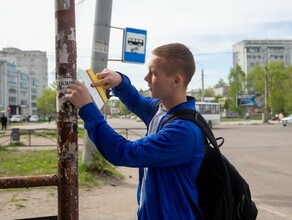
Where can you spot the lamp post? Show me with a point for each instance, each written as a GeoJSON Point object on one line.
{"type": "Point", "coordinates": [203, 90]}
{"type": "Point", "coordinates": [266, 112]}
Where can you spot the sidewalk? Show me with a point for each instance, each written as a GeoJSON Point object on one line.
{"type": "Point", "coordinates": [32, 131]}
{"type": "Point", "coordinates": [249, 122]}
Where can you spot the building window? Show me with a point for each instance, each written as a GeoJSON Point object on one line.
{"type": "Point", "coordinates": [12, 91]}
{"type": "Point", "coordinates": [253, 49]}
{"type": "Point", "coordinates": [34, 90]}
{"type": "Point", "coordinates": [24, 76]}
{"type": "Point", "coordinates": [23, 102]}
{"type": "Point", "coordinates": [12, 79]}
{"type": "Point", "coordinates": [276, 49]}
{"type": "Point", "coordinates": [23, 85]}
{"type": "Point", "coordinates": [12, 100]}
{"type": "Point", "coordinates": [34, 82]}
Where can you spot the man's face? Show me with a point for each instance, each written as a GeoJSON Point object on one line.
{"type": "Point", "coordinates": [159, 80]}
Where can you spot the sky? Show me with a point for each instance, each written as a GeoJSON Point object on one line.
{"type": "Point", "coordinates": [208, 27]}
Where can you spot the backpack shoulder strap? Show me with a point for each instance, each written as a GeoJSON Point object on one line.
{"type": "Point", "coordinates": [197, 118]}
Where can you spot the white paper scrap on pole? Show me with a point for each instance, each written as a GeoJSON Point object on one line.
{"type": "Point", "coordinates": [93, 91]}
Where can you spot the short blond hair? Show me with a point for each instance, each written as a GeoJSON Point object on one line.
{"type": "Point", "coordinates": [178, 58]}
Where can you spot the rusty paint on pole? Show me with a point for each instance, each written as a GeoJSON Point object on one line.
{"type": "Point", "coordinates": [28, 181]}
{"type": "Point", "coordinates": [66, 113]}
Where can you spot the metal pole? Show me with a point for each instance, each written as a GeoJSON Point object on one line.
{"type": "Point", "coordinates": [66, 112]}
{"type": "Point", "coordinates": [99, 56]}
{"type": "Point", "coordinates": [203, 90]}
{"type": "Point", "coordinates": [266, 114]}
{"type": "Point", "coordinates": [28, 181]}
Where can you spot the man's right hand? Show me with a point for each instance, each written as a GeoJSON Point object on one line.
{"type": "Point", "coordinates": [108, 79]}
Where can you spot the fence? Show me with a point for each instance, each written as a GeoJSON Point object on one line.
{"type": "Point", "coordinates": [35, 137]}
{"type": "Point", "coordinates": [41, 136]}
{"type": "Point", "coordinates": [28, 137]}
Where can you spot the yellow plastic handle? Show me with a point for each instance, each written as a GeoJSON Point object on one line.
{"type": "Point", "coordinates": [99, 89]}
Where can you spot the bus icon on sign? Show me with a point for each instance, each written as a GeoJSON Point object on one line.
{"type": "Point", "coordinates": [134, 45]}
{"type": "Point", "coordinates": [136, 42]}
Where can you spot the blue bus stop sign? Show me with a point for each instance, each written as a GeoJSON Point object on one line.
{"type": "Point", "coordinates": [134, 45]}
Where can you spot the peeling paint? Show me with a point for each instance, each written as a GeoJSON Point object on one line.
{"type": "Point", "coordinates": [28, 181]}
{"type": "Point", "coordinates": [66, 112]}
{"type": "Point", "coordinates": [72, 35]}
{"type": "Point", "coordinates": [62, 5]}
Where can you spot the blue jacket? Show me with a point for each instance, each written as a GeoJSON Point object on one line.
{"type": "Point", "coordinates": [173, 155]}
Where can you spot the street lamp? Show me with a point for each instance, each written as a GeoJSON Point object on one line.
{"type": "Point", "coordinates": [203, 90]}
{"type": "Point", "coordinates": [266, 112]}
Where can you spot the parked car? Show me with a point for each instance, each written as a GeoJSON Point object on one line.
{"type": "Point", "coordinates": [287, 120]}
{"type": "Point", "coordinates": [34, 118]}
{"type": "Point", "coordinates": [16, 118]}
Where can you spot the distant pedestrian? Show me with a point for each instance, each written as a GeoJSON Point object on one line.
{"type": "Point", "coordinates": [281, 116]}
{"type": "Point", "coordinates": [50, 118]}
{"type": "Point", "coordinates": [4, 122]}
{"type": "Point", "coordinates": [246, 115]}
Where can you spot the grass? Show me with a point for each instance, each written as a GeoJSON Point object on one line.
{"type": "Point", "coordinates": [44, 162]}
{"type": "Point", "coordinates": [253, 117]}
{"type": "Point", "coordinates": [16, 162]}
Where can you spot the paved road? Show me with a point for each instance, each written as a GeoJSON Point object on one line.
{"type": "Point", "coordinates": [262, 154]}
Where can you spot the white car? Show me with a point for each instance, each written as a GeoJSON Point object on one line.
{"type": "Point", "coordinates": [16, 118]}
{"type": "Point", "coordinates": [34, 118]}
{"type": "Point", "coordinates": [287, 120]}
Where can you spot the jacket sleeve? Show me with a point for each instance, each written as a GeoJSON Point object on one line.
{"type": "Point", "coordinates": [135, 102]}
{"type": "Point", "coordinates": [172, 145]}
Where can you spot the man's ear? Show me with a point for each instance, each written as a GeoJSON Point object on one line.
{"type": "Point", "coordinates": [178, 79]}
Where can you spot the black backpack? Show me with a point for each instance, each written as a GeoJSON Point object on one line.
{"type": "Point", "coordinates": [223, 193]}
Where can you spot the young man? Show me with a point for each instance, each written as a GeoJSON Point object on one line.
{"type": "Point", "coordinates": [168, 158]}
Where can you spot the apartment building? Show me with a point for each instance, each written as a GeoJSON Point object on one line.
{"type": "Point", "coordinates": [249, 53]}
{"type": "Point", "coordinates": [23, 75]}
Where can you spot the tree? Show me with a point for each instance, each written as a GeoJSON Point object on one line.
{"type": "Point", "coordinates": [237, 85]}
{"type": "Point", "coordinates": [209, 92]}
{"type": "Point", "coordinates": [276, 87]}
{"type": "Point", "coordinates": [255, 80]}
{"type": "Point", "coordinates": [122, 109]}
{"type": "Point", "coordinates": [220, 83]}
{"type": "Point", "coordinates": [279, 85]}
{"type": "Point", "coordinates": [46, 103]}
{"type": "Point", "coordinates": [288, 94]}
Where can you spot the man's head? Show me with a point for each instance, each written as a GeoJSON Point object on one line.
{"type": "Point", "coordinates": [170, 70]}
{"type": "Point", "coordinates": [177, 58]}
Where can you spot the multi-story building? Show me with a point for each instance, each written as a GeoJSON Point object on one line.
{"type": "Point", "coordinates": [23, 75]}
{"type": "Point", "coordinates": [249, 53]}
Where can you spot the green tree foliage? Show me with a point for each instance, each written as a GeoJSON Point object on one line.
{"type": "Point", "coordinates": [122, 108]}
{"type": "Point", "coordinates": [255, 80]}
{"type": "Point", "coordinates": [288, 91]}
{"type": "Point", "coordinates": [46, 103]}
{"type": "Point", "coordinates": [220, 83]}
{"type": "Point", "coordinates": [279, 85]}
{"type": "Point", "coordinates": [209, 92]}
{"type": "Point", "coordinates": [237, 85]}
{"type": "Point", "coordinates": [276, 87]}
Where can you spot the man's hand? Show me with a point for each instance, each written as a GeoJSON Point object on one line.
{"type": "Point", "coordinates": [108, 79]}
{"type": "Point", "coordinates": [78, 94]}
